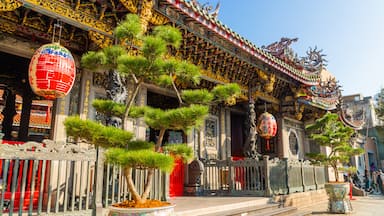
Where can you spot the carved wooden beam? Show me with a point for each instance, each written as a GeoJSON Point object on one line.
{"type": "Point", "coordinates": [9, 5]}
{"type": "Point", "coordinates": [67, 14]}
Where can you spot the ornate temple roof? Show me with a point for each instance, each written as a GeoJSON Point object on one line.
{"type": "Point", "coordinates": [308, 71]}
{"type": "Point", "coordinates": [273, 73]}
{"type": "Point", "coordinates": [209, 20]}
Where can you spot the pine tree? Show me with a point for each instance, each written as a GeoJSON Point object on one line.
{"type": "Point", "coordinates": [149, 62]}
{"type": "Point", "coordinates": [329, 131]}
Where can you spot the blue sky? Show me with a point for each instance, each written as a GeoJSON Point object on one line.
{"type": "Point", "coordinates": [350, 33]}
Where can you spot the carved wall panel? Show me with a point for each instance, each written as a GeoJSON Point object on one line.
{"type": "Point", "coordinates": [211, 137]}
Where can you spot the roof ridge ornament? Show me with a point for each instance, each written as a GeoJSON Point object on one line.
{"type": "Point", "coordinates": [207, 8]}
{"type": "Point", "coordinates": [350, 116]}
{"type": "Point", "coordinates": [313, 62]}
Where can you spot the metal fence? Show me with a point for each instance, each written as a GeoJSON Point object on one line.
{"type": "Point", "coordinates": [261, 177]}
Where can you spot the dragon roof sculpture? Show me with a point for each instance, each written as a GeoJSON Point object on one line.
{"type": "Point", "coordinates": [351, 114]}
{"type": "Point", "coordinates": [312, 63]}
{"type": "Point", "coordinates": [325, 95]}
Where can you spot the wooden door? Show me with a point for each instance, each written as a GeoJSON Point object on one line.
{"type": "Point", "coordinates": [237, 134]}
{"type": "Point", "coordinates": [176, 180]}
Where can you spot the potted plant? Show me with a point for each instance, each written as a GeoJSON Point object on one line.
{"type": "Point", "coordinates": [148, 62]}
{"type": "Point", "coordinates": [330, 132]}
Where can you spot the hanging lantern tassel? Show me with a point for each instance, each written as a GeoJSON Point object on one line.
{"type": "Point", "coordinates": [267, 127]}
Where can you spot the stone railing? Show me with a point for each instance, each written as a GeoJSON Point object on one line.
{"type": "Point", "coordinates": [62, 178]}
{"type": "Point", "coordinates": [46, 178]}
{"type": "Point", "coordinates": [261, 177]}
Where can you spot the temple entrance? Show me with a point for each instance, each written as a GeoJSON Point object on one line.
{"type": "Point", "coordinates": [176, 179]}
{"type": "Point", "coordinates": [24, 116]}
{"type": "Point", "coordinates": [237, 135]}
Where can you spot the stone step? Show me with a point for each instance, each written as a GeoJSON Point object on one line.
{"type": "Point", "coordinates": [274, 212]}
{"type": "Point", "coordinates": [249, 208]}
{"type": "Point", "coordinates": [245, 211]}
{"type": "Point", "coordinates": [220, 206]}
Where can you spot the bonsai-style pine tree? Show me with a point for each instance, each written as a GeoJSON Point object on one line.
{"type": "Point", "coordinates": [149, 62]}
{"type": "Point", "coordinates": [329, 131]}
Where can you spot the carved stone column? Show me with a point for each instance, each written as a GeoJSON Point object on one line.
{"type": "Point", "coordinates": [228, 149]}
{"type": "Point", "coordinates": [85, 94]}
{"type": "Point", "coordinates": [222, 134]}
{"type": "Point", "coordinates": [61, 107]}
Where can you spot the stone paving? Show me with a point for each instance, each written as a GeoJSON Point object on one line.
{"type": "Point", "coordinates": [372, 205]}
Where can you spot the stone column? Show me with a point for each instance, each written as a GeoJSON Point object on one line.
{"type": "Point", "coordinates": [85, 94]}
{"type": "Point", "coordinates": [222, 134]}
{"type": "Point", "coordinates": [228, 148]}
{"type": "Point", "coordinates": [201, 143]}
{"type": "Point", "coordinates": [283, 148]}
{"type": "Point", "coordinates": [61, 107]}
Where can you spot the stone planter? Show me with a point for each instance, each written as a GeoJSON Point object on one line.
{"type": "Point", "coordinates": [338, 199]}
{"type": "Point", "coordinates": [158, 211]}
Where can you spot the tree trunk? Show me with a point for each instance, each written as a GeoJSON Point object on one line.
{"type": "Point", "coordinates": [129, 104]}
{"type": "Point", "coordinates": [176, 90]}
{"type": "Point", "coordinates": [160, 140]}
{"type": "Point", "coordinates": [131, 186]}
{"type": "Point", "coordinates": [336, 173]}
{"type": "Point", "coordinates": [148, 184]}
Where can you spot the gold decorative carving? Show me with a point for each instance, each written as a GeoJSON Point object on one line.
{"type": "Point", "coordinates": [268, 87]}
{"type": "Point", "coordinates": [146, 13]}
{"type": "Point", "coordinates": [269, 81]}
{"type": "Point", "coordinates": [11, 15]}
{"type": "Point", "coordinates": [262, 75]}
{"type": "Point", "coordinates": [130, 5]}
{"type": "Point", "coordinates": [100, 39]}
{"type": "Point", "coordinates": [266, 97]}
{"type": "Point", "coordinates": [10, 5]}
{"type": "Point", "coordinates": [7, 27]}
{"type": "Point", "coordinates": [85, 5]}
{"type": "Point", "coordinates": [299, 91]}
{"type": "Point", "coordinates": [86, 98]}
{"type": "Point", "coordinates": [158, 19]}
{"type": "Point", "coordinates": [214, 76]}
{"type": "Point", "coordinates": [35, 22]}
{"type": "Point", "coordinates": [231, 101]}
{"type": "Point", "coordinates": [299, 109]}
{"type": "Point", "coordinates": [66, 13]}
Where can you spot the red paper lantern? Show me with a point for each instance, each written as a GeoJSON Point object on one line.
{"type": "Point", "coordinates": [267, 127]}
{"type": "Point", "coordinates": [52, 71]}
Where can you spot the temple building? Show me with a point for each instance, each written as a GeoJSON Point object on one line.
{"type": "Point", "coordinates": [273, 77]}
{"type": "Point", "coordinates": [276, 83]}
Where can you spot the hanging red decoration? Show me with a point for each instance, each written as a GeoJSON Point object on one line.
{"type": "Point", "coordinates": [52, 71]}
{"type": "Point", "coordinates": [267, 127]}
